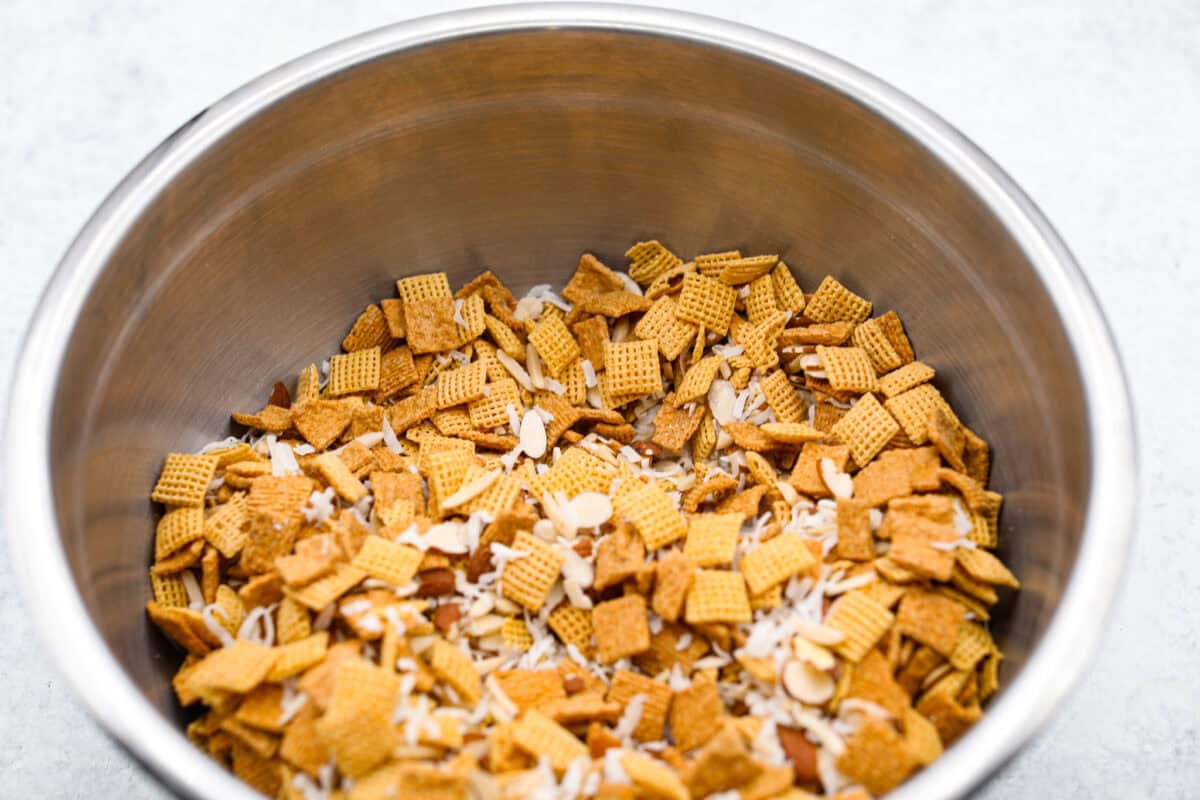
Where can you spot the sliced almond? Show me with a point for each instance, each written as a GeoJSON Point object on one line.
{"type": "Point", "coordinates": [591, 509]}
{"type": "Point", "coordinates": [839, 483]}
{"type": "Point", "coordinates": [813, 654]}
{"type": "Point", "coordinates": [819, 634]}
{"type": "Point", "coordinates": [475, 488]}
{"type": "Point", "coordinates": [445, 537]}
{"type": "Point", "coordinates": [533, 434]}
{"type": "Point", "coordinates": [806, 683]}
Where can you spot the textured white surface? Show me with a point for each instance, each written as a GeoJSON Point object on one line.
{"type": "Point", "coordinates": [1094, 108]}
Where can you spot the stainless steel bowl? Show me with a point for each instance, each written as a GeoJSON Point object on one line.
{"type": "Point", "coordinates": [514, 138]}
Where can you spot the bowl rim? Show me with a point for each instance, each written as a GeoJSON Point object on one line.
{"type": "Point", "coordinates": [81, 655]}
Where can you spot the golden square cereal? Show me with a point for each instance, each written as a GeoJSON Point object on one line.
{"type": "Point", "coordinates": [921, 738]}
{"type": "Point", "coordinates": [393, 316]}
{"type": "Point", "coordinates": [576, 471]}
{"type": "Point", "coordinates": [614, 304]}
{"type": "Point", "coordinates": [354, 372]}
{"type": "Point", "coordinates": [774, 561]}
{"type": "Point", "coordinates": [632, 368]}
{"type": "Point", "coordinates": [388, 561]}
{"type": "Point", "coordinates": [782, 397]}
{"type": "Point", "coordinates": [574, 382]}
{"type": "Point", "coordinates": [281, 497]}
{"type": "Point", "coordinates": [826, 415]}
{"type": "Point", "coordinates": [866, 428]}
{"type": "Point", "coordinates": [620, 627]}
{"type": "Point", "coordinates": [708, 302]}
{"type": "Point", "coordinates": [528, 580]}
{"type": "Point", "coordinates": [855, 541]}
{"type": "Point", "coordinates": [653, 778]}
{"type": "Point", "coordinates": [849, 369]}
{"type": "Point", "coordinates": [913, 540]}
{"type": "Point", "coordinates": [626, 685]}
{"type": "Point", "coordinates": [648, 260]}
{"type": "Point", "coordinates": [705, 440]}
{"type": "Point", "coordinates": [711, 264]}
{"type": "Point", "coordinates": [833, 302]}
{"type": "Point", "coordinates": [906, 377]}
{"type": "Point", "coordinates": [542, 737]}
{"type": "Point", "coordinates": [431, 325]}
{"type": "Point", "coordinates": [788, 296]}
{"type": "Point", "coordinates": [871, 338]}
{"type": "Point", "coordinates": [913, 407]}
{"type": "Point", "coordinates": [653, 515]}
{"type": "Point", "coordinates": [983, 566]}
{"type": "Point", "coordinates": [712, 538]}
{"type": "Point", "coordinates": [369, 330]}
{"type": "Point", "coordinates": [502, 494]}
{"type": "Point", "coordinates": [454, 667]}
{"type": "Point", "coordinates": [876, 757]}
{"type": "Point", "coordinates": [673, 426]}
{"type": "Point", "coordinates": [863, 620]}
{"type": "Point", "coordinates": [947, 436]}
{"type": "Point", "coordinates": [184, 480]}
{"type": "Point", "coordinates": [169, 590]}
{"type": "Point", "coordinates": [744, 270]}
{"type": "Point", "coordinates": [238, 668]}
{"type": "Point", "coordinates": [452, 421]}
{"type": "Point", "coordinates": [871, 680]}
{"type": "Point", "coordinates": [661, 324]}
{"type": "Point", "coordinates": [272, 418]}
{"type": "Point", "coordinates": [717, 596]}
{"type": "Point", "coordinates": [292, 622]}
{"type": "Point", "coordinates": [472, 313]}
{"type": "Point", "coordinates": [181, 559]}
{"type": "Point", "coordinates": [505, 338]}
{"type": "Point", "coordinates": [697, 380]}
{"type": "Point", "coordinates": [412, 410]}
{"type": "Point", "coordinates": [485, 351]}
{"type": "Point", "coordinates": [619, 556]}
{"type": "Point", "coordinates": [324, 591]}
{"type": "Point", "coordinates": [177, 529]}
{"type": "Point", "coordinates": [583, 707]}
{"type": "Point", "coordinates": [321, 422]}
{"type": "Point", "coordinates": [771, 598]}
{"type": "Point", "coordinates": [697, 714]}
{"type": "Point", "coordinates": [806, 475]}
{"type": "Point", "coordinates": [974, 644]}
{"type": "Point", "coordinates": [761, 340]}
{"type": "Point", "coordinates": [893, 329]}
{"type": "Point", "coordinates": [491, 410]}
{"type": "Point", "coordinates": [760, 303]}
{"type": "Point", "coordinates": [357, 727]}
{"type": "Point", "coordinates": [262, 709]}
{"type": "Point", "coordinates": [423, 287]}
{"type": "Point", "coordinates": [225, 528]}
{"type": "Point", "coordinates": [531, 688]}
{"type": "Point", "coordinates": [554, 344]}
{"type": "Point", "coordinates": [591, 277]}
{"type": "Point", "coordinates": [396, 373]}
{"type": "Point", "coordinates": [445, 471]}
{"type": "Point", "coordinates": [724, 762]}
{"type": "Point", "coordinates": [297, 656]}
{"type": "Point", "coordinates": [462, 385]}
{"type": "Point", "coordinates": [335, 473]}
{"type": "Point", "coordinates": [572, 626]}
{"type": "Point", "coordinates": [591, 334]}
{"type": "Point", "coordinates": [931, 619]}
{"type": "Point", "coordinates": [516, 635]}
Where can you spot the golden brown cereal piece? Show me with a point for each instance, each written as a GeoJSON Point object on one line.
{"type": "Point", "coordinates": [292, 621]}
{"type": "Point", "coordinates": [452, 421]}
{"type": "Point", "coordinates": [827, 333]}
{"type": "Point", "coordinates": [614, 304]}
{"type": "Point", "coordinates": [711, 264]}
{"type": "Point", "coordinates": [913, 540]}
{"type": "Point", "coordinates": [576, 471]}
{"type": "Point", "coordinates": [833, 302]}
{"type": "Point", "coordinates": [626, 685]}
{"type": "Point", "coordinates": [516, 635]}
{"type": "Point", "coordinates": [871, 337]}
{"type": "Point", "coordinates": [184, 480]}
{"type": "Point", "coordinates": [854, 531]}
{"type": "Point", "coordinates": [974, 644]}
{"type": "Point", "coordinates": [675, 573]}
{"type": "Point", "coordinates": [572, 626]}
{"type": "Point", "coordinates": [662, 325]}
{"type": "Point", "coordinates": [431, 326]}
{"type": "Point", "coordinates": [396, 373]}
{"type": "Point", "coordinates": [782, 397]}
{"type": "Point", "coordinates": [724, 762]}
{"type": "Point", "coordinates": [983, 566]}
{"type": "Point", "coordinates": [335, 473]}
{"type": "Point", "coordinates": [388, 561]}
{"type": "Point", "coordinates": [592, 333]}
{"type": "Point", "coordinates": [775, 561]}
{"type": "Point", "coordinates": [744, 270]}
{"type": "Point", "coordinates": [791, 432]}
{"type": "Point", "coordinates": [826, 415]}
{"type": "Point", "coordinates": [554, 344]}
{"type": "Point", "coordinates": [697, 380]}
{"type": "Point", "coordinates": [788, 296]}
{"type": "Point", "coordinates": [760, 304]}
{"type": "Point", "coordinates": [951, 718]}
{"type": "Point", "coordinates": [913, 407]}
{"type": "Point", "coordinates": [321, 422]}
{"type": "Point", "coordinates": [921, 738]}
{"type": "Point", "coordinates": [354, 372]}
{"type": "Point", "coordinates": [619, 556]}
{"type": "Point", "coordinates": [632, 368]}
{"type": "Point", "coordinates": [907, 377]}
{"type": "Point", "coordinates": [500, 495]}
{"type": "Point", "coordinates": [863, 620]}
{"type": "Point", "coordinates": [652, 779]}
{"type": "Point", "coordinates": [697, 714]}
{"type": "Point", "coordinates": [749, 436]}
{"type": "Point", "coordinates": [876, 757]}
{"type": "Point", "coordinates": [491, 410]}
{"type": "Point", "coordinates": [412, 410]}
{"type": "Point", "coordinates": [528, 580]}
{"type": "Point", "coordinates": [324, 591]}
{"type": "Point", "coordinates": [272, 418]}
{"type": "Point", "coordinates": [542, 737]}
{"type": "Point", "coordinates": [237, 668]}
{"type": "Point", "coordinates": [653, 515]}
{"type": "Point", "coordinates": [717, 596]}
{"type": "Point", "coordinates": [620, 628]}
{"type": "Point", "coordinates": [393, 316]}
{"type": "Point", "coordinates": [871, 680]}
{"type": "Point", "coordinates": [708, 302]}
{"type": "Point", "coordinates": [648, 260]}
{"type": "Point", "coordinates": [369, 330]}
{"type": "Point", "coordinates": [178, 623]}
{"type": "Point", "coordinates": [295, 657]}
{"type": "Point", "coordinates": [423, 287]}
{"type": "Point", "coordinates": [893, 329]}
{"type": "Point", "coordinates": [711, 539]}
{"type": "Point", "coordinates": [947, 436]}
{"type": "Point", "coordinates": [674, 426]}
{"type": "Point", "coordinates": [865, 428]}
{"type": "Point", "coordinates": [591, 277]}
{"type": "Point", "coordinates": [452, 666]}
{"type": "Point", "coordinates": [462, 385]}
{"type": "Point", "coordinates": [931, 619]}
{"type": "Point", "coordinates": [806, 475]}
{"type": "Point", "coordinates": [472, 314]}
{"type": "Point", "coordinates": [177, 529]}
{"type": "Point", "coordinates": [357, 728]}
{"type": "Point", "coordinates": [848, 369]}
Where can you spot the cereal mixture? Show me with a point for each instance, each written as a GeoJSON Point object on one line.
{"type": "Point", "coordinates": [678, 533]}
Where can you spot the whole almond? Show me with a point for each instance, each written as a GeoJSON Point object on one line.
{"type": "Point", "coordinates": [445, 615]}
{"type": "Point", "coordinates": [800, 751]}
{"type": "Point", "coordinates": [280, 396]}
{"type": "Point", "coordinates": [436, 583]}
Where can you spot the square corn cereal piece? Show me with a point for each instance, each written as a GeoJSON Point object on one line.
{"type": "Point", "coordinates": [502, 494]}
{"type": "Point", "coordinates": [470, 319]}
{"type": "Point", "coordinates": [974, 645]}
{"type": "Point", "coordinates": [931, 619]}
{"type": "Point", "coordinates": [909, 376]}
{"type": "Point", "coordinates": [369, 330]}
{"type": "Point", "coordinates": [454, 668]}
{"type": "Point", "coordinates": [184, 480]}
{"type": "Point", "coordinates": [708, 302]}
{"type": "Point", "coordinates": [866, 428]}
{"type": "Point", "coordinates": [453, 421]}
{"type": "Point", "coordinates": [505, 338]}
{"type": "Point", "coordinates": [396, 373]}
{"type": "Point", "coordinates": [760, 303]}
{"type": "Point", "coordinates": [431, 325]}
{"type": "Point", "coordinates": [614, 304]}
{"type": "Point", "coordinates": [771, 598]}
{"type": "Point", "coordinates": [445, 472]}
{"type": "Point", "coordinates": [833, 302]}
{"type": "Point", "coordinates": [871, 338]}
{"type": "Point", "coordinates": [591, 334]}
{"type": "Point", "coordinates": [724, 762]}
{"type": "Point", "coordinates": [280, 497]}
{"type": "Point", "coordinates": [177, 529]}
{"type": "Point", "coordinates": [661, 324]}
{"type": "Point", "coordinates": [621, 628]}
{"type": "Point", "coordinates": [788, 296]}
{"type": "Point", "coordinates": [225, 527]}
{"type": "Point", "coordinates": [876, 757]}
{"type": "Point", "coordinates": [572, 626]}
{"type": "Point", "coordinates": [262, 709]}
{"type": "Point", "coordinates": [298, 656]}
{"type": "Point", "coordinates": [674, 426]}
{"type": "Point", "coordinates": [527, 580]}
{"type": "Point", "coordinates": [169, 590]}
{"type": "Point", "coordinates": [912, 409]}
{"type": "Point", "coordinates": [542, 737]}
{"type": "Point", "coordinates": [921, 738]}
{"type": "Point", "coordinates": [354, 373]}
{"type": "Point", "coordinates": [334, 471]}
{"type": "Point", "coordinates": [705, 440]}
{"type": "Point", "coordinates": [983, 566]}
{"type": "Point", "coordinates": [653, 515]}
{"type": "Point", "coordinates": [308, 386]}
{"type": "Point", "coordinates": [848, 369]}
{"type": "Point", "coordinates": [433, 285]}
{"type": "Point", "coordinates": [462, 385]}
{"type": "Point", "coordinates": [744, 270]}
{"type": "Point", "coordinates": [393, 316]}
{"type": "Point", "coordinates": [782, 397]}
{"type": "Point", "coordinates": [717, 596]}
{"type": "Point", "coordinates": [591, 277]}
{"type": "Point", "coordinates": [515, 634]}
{"type": "Point", "coordinates": [321, 422]}
{"type": "Point", "coordinates": [413, 410]}
{"type": "Point", "coordinates": [697, 380]}
{"type": "Point", "coordinates": [576, 471]}
{"type": "Point", "coordinates": [324, 591]}
{"type": "Point", "coordinates": [863, 620]}
{"type": "Point", "coordinates": [893, 329]}
{"type": "Point", "coordinates": [238, 668]}
{"type": "Point", "coordinates": [855, 541]}
{"type": "Point", "coordinates": [619, 556]}
{"type": "Point", "coordinates": [711, 264]}
{"type": "Point", "coordinates": [554, 344]}
{"type": "Point", "coordinates": [292, 622]}
{"type": "Point", "coordinates": [632, 368]}
{"type": "Point", "coordinates": [712, 538]}
{"type": "Point", "coordinates": [357, 727]}
{"type": "Point", "coordinates": [491, 410]}
{"type": "Point", "coordinates": [388, 561]}
{"type": "Point", "coordinates": [806, 474]}
{"type": "Point", "coordinates": [648, 260]}
{"type": "Point", "coordinates": [651, 778]}
{"type": "Point", "coordinates": [914, 541]}
{"type": "Point", "coordinates": [697, 714]}
{"type": "Point", "coordinates": [626, 685]}
{"type": "Point", "coordinates": [871, 680]}
{"type": "Point", "coordinates": [774, 561]}
{"type": "Point", "coordinates": [531, 688]}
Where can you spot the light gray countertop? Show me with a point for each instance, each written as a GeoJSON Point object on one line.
{"type": "Point", "coordinates": [1094, 108]}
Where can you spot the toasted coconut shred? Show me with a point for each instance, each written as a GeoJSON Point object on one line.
{"type": "Point", "coordinates": [678, 531]}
